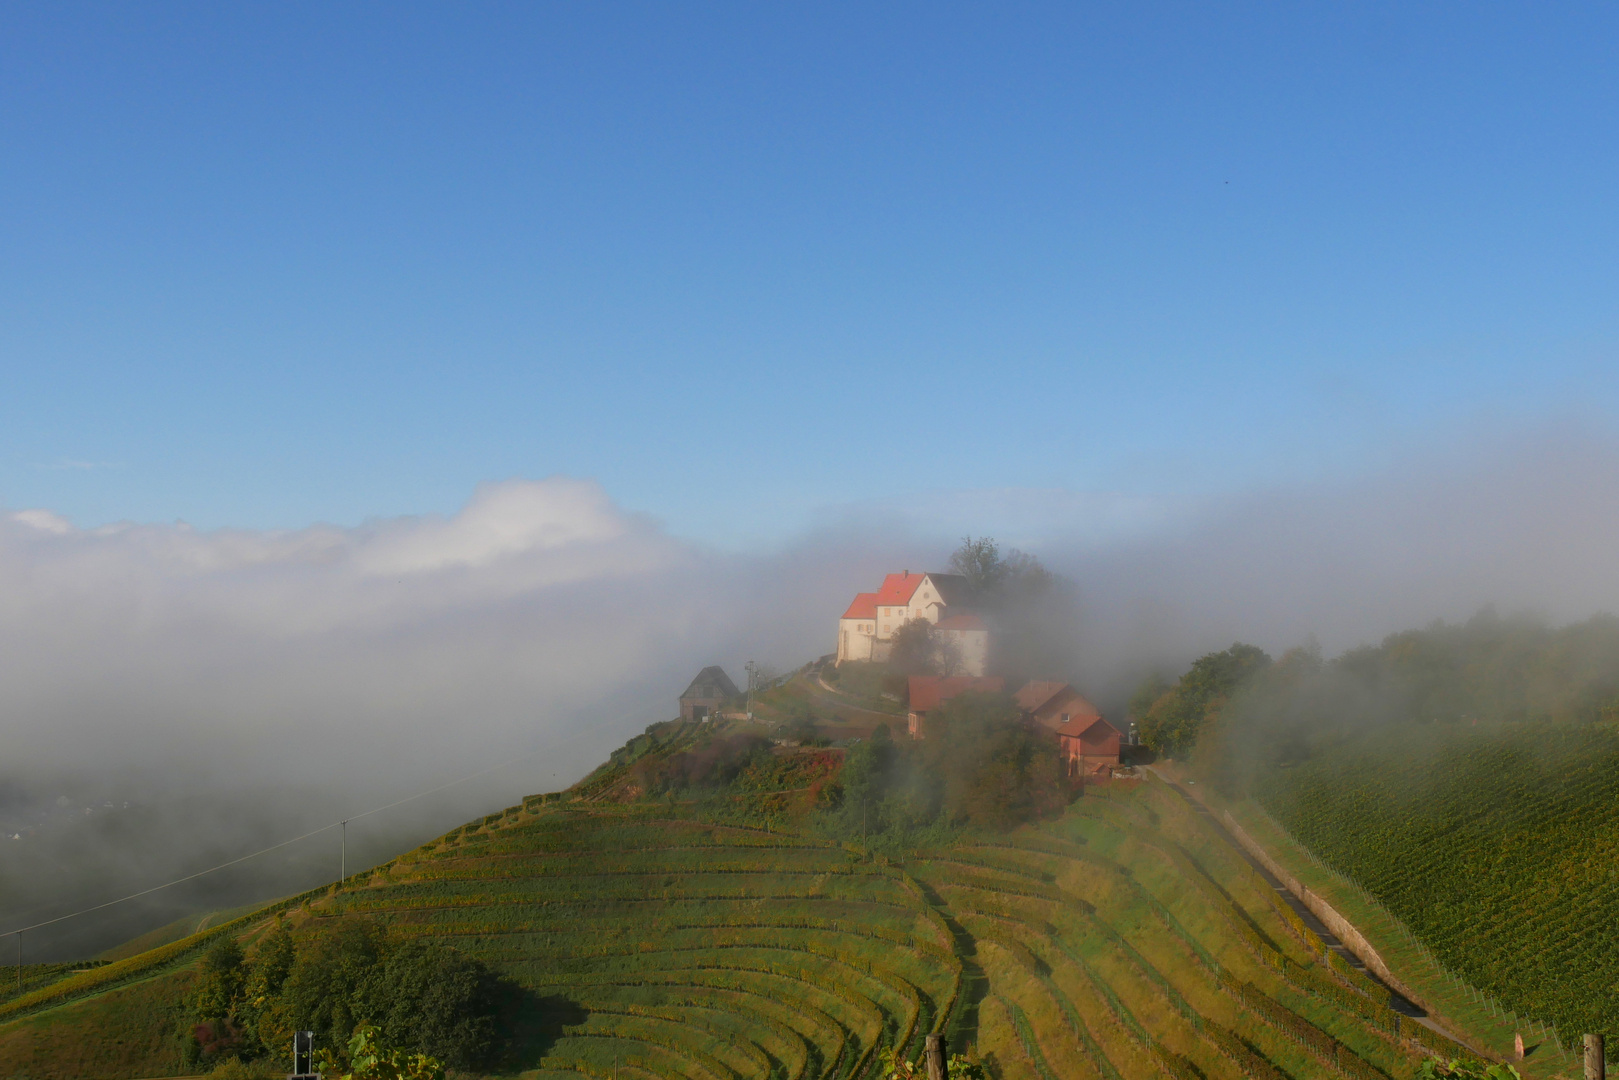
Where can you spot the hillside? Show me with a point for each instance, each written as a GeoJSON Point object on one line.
{"type": "Point", "coordinates": [721, 935]}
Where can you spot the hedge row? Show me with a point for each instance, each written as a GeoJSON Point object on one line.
{"type": "Point", "coordinates": [1176, 1065]}
{"type": "Point", "coordinates": [1253, 1065]}
{"type": "Point", "coordinates": [1026, 1036]}
{"type": "Point", "coordinates": [1293, 1025]}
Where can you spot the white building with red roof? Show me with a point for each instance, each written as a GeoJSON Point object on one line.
{"type": "Point", "coordinates": [866, 629]}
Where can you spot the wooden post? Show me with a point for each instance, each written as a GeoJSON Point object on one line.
{"type": "Point", "coordinates": [1517, 1045]}
{"type": "Point", "coordinates": [1595, 1063]}
{"type": "Point", "coordinates": [936, 1065]}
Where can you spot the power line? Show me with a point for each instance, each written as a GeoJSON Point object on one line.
{"type": "Point", "coordinates": [304, 836]}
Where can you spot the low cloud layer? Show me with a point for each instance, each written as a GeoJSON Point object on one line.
{"type": "Point", "coordinates": [542, 609]}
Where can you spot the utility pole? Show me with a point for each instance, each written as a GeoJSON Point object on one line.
{"type": "Point", "coordinates": [19, 961]}
{"type": "Point", "coordinates": [343, 858]}
{"type": "Point", "coordinates": [752, 678]}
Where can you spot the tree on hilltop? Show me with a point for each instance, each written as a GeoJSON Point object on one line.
{"type": "Point", "coordinates": [996, 578]}
{"type": "Point", "coordinates": [1174, 721]}
{"type": "Point", "coordinates": [1034, 612]}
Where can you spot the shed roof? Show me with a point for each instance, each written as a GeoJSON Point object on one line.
{"type": "Point", "coordinates": [711, 682]}
{"type": "Point", "coordinates": [1083, 727]}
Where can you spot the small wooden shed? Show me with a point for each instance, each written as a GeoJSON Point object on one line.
{"type": "Point", "coordinates": [707, 693]}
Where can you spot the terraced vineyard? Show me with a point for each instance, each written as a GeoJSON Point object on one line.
{"type": "Point", "coordinates": [689, 948]}
{"type": "Point", "coordinates": [1528, 815]}
{"type": "Point", "coordinates": [1122, 941]}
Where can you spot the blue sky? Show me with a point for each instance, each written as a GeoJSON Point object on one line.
{"type": "Point", "coordinates": [266, 265]}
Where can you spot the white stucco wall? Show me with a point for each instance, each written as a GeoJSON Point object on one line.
{"type": "Point", "coordinates": [854, 639]}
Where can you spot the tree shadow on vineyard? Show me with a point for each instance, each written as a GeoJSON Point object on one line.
{"type": "Point", "coordinates": [974, 983]}
{"type": "Point", "coordinates": [536, 1023]}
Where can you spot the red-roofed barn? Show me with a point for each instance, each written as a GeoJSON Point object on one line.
{"type": "Point", "coordinates": [1054, 704]}
{"type": "Point", "coordinates": [928, 692]}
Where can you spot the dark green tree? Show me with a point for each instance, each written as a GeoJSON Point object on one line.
{"type": "Point", "coordinates": [1033, 612]}
{"type": "Point", "coordinates": [917, 650]}
{"type": "Point", "coordinates": [433, 999]}
{"type": "Point", "coordinates": [991, 767]}
{"type": "Point", "coordinates": [322, 989]}
{"type": "Point", "coordinates": [1176, 718]}
{"type": "Point", "coordinates": [218, 990]}
{"type": "Point", "coordinates": [979, 561]}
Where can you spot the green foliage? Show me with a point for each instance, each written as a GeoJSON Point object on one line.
{"type": "Point", "coordinates": [895, 1066]}
{"type": "Point", "coordinates": [323, 989]}
{"type": "Point", "coordinates": [427, 997]}
{"type": "Point", "coordinates": [431, 997]}
{"type": "Point", "coordinates": [1174, 721]}
{"type": "Point", "coordinates": [237, 1069]}
{"type": "Point", "coordinates": [1462, 1069]}
{"type": "Point", "coordinates": [1146, 694]}
{"type": "Point", "coordinates": [712, 761]}
{"type": "Point", "coordinates": [1486, 671]}
{"type": "Point", "coordinates": [219, 986]}
{"type": "Point", "coordinates": [980, 765]}
{"type": "Point", "coordinates": [370, 1059]}
{"type": "Point", "coordinates": [991, 768]}
{"type": "Point", "coordinates": [917, 649]}
{"type": "Point", "coordinates": [867, 682]}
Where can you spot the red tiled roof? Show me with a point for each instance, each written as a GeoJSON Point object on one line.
{"type": "Point", "coordinates": [898, 589]}
{"type": "Point", "coordinates": [1036, 693]}
{"type": "Point", "coordinates": [930, 691]}
{"type": "Point", "coordinates": [960, 622]}
{"type": "Point", "coordinates": [1080, 726]}
{"type": "Point", "coordinates": [864, 606]}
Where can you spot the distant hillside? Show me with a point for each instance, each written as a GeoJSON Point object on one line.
{"type": "Point", "coordinates": [661, 931]}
